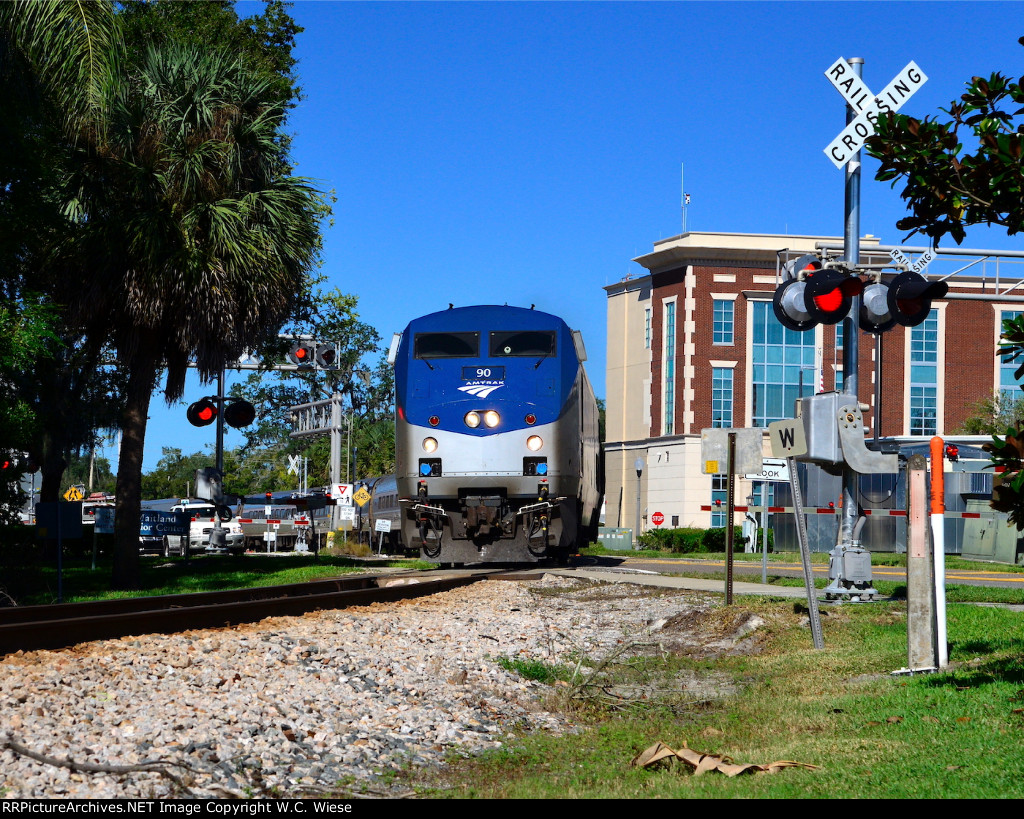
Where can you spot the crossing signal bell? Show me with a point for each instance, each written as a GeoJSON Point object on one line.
{"type": "Point", "coordinates": [202, 413]}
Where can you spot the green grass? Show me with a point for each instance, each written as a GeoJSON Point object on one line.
{"type": "Point", "coordinates": [38, 584]}
{"type": "Point", "coordinates": [536, 669]}
{"type": "Point", "coordinates": [955, 734]}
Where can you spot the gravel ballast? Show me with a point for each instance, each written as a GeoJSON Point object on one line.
{"type": "Point", "coordinates": [293, 706]}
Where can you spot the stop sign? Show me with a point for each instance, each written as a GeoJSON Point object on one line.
{"type": "Point", "coordinates": [657, 518]}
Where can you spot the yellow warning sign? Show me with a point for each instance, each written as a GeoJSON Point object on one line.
{"type": "Point", "coordinates": [73, 494]}
{"type": "Point", "coordinates": [361, 496]}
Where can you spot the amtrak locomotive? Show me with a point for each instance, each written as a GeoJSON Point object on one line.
{"type": "Point", "coordinates": [496, 437]}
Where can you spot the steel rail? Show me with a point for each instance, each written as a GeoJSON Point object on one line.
{"type": "Point", "coordinates": [29, 628]}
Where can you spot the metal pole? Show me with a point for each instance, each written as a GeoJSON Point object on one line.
{"type": "Point", "coordinates": [805, 555]}
{"type": "Point", "coordinates": [877, 420]}
{"type": "Point", "coordinates": [218, 537]}
{"type": "Point", "coordinates": [840, 583]}
{"type": "Point", "coordinates": [851, 329]}
{"type": "Point", "coordinates": [730, 505]}
{"type": "Point", "coordinates": [638, 464]}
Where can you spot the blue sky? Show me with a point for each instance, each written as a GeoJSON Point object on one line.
{"type": "Point", "coordinates": [526, 152]}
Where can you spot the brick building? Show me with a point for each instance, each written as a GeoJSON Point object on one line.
{"type": "Point", "coordinates": [694, 343]}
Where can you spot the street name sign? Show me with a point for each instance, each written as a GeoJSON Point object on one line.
{"type": "Point", "coordinates": [850, 140]}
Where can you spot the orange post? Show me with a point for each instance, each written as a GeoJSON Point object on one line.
{"type": "Point", "coordinates": [938, 504]}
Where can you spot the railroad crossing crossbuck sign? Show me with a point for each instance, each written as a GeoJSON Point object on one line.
{"type": "Point", "coordinates": [843, 148]}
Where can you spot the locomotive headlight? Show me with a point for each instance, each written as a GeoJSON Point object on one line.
{"type": "Point", "coordinates": [472, 419]}
{"type": "Point", "coordinates": [491, 418]}
{"type": "Point", "coordinates": [429, 444]}
{"type": "Point", "coordinates": [534, 443]}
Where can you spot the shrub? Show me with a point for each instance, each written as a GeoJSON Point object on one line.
{"type": "Point", "coordinates": [714, 540]}
{"type": "Point", "coordinates": [690, 541]}
{"type": "Point", "coordinates": [679, 541]}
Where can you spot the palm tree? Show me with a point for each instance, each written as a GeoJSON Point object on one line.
{"type": "Point", "coordinates": [196, 236]}
{"type": "Point", "coordinates": [66, 50]}
{"type": "Point", "coordinates": [56, 59]}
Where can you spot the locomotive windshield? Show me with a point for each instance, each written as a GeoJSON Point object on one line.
{"type": "Point", "coordinates": [447, 345]}
{"type": "Point", "coordinates": [525, 343]}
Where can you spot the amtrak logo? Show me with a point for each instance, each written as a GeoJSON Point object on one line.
{"type": "Point", "coordinates": [481, 389]}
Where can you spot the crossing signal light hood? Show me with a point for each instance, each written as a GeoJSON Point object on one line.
{"type": "Point", "coordinates": [239, 413]}
{"type": "Point", "coordinates": [910, 297]}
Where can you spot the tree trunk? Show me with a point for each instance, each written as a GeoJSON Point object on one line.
{"type": "Point", "coordinates": [128, 505]}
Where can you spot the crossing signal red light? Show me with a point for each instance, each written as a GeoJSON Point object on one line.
{"type": "Point", "coordinates": [829, 294]}
{"type": "Point", "coordinates": [239, 413]}
{"type": "Point", "coordinates": [910, 297]}
{"type": "Point", "coordinates": [301, 353]}
{"type": "Point", "coordinates": [952, 452]}
{"type": "Point", "coordinates": [202, 413]}
{"type": "Point", "coordinates": [821, 296]}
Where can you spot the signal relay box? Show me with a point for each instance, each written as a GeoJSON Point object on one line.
{"type": "Point", "coordinates": [819, 415]}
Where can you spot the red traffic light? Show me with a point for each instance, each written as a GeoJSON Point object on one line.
{"type": "Point", "coordinates": [202, 413]}
{"type": "Point", "coordinates": [239, 413]}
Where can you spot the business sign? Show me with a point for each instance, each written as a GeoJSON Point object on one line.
{"type": "Point", "coordinates": [104, 520]}
{"type": "Point", "coordinates": [857, 95]}
{"type": "Point", "coordinates": [157, 524]}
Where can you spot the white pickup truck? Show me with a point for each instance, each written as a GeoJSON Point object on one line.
{"type": "Point", "coordinates": [204, 517]}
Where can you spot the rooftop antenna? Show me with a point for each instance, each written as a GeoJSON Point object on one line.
{"type": "Point", "coordinates": [685, 200]}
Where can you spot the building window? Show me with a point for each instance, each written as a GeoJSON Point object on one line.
{"type": "Point", "coordinates": [1009, 386]}
{"type": "Point", "coordinates": [647, 328]}
{"type": "Point", "coordinates": [721, 397]}
{"type": "Point", "coordinates": [670, 368]}
{"type": "Point", "coordinates": [924, 376]}
{"type": "Point", "coordinates": [782, 367]}
{"type": "Point", "coordinates": [723, 322]}
{"type": "Point", "coordinates": [719, 496]}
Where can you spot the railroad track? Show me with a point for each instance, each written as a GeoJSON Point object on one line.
{"type": "Point", "coordinates": [58, 626]}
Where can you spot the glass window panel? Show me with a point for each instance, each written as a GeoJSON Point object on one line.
{"type": "Point", "coordinates": [922, 374]}
{"type": "Point", "coordinates": [790, 372]}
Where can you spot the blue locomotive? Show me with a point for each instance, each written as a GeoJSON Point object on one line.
{"type": "Point", "coordinates": [498, 458]}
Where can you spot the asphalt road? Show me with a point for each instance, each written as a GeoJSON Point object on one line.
{"type": "Point", "coordinates": [751, 571]}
